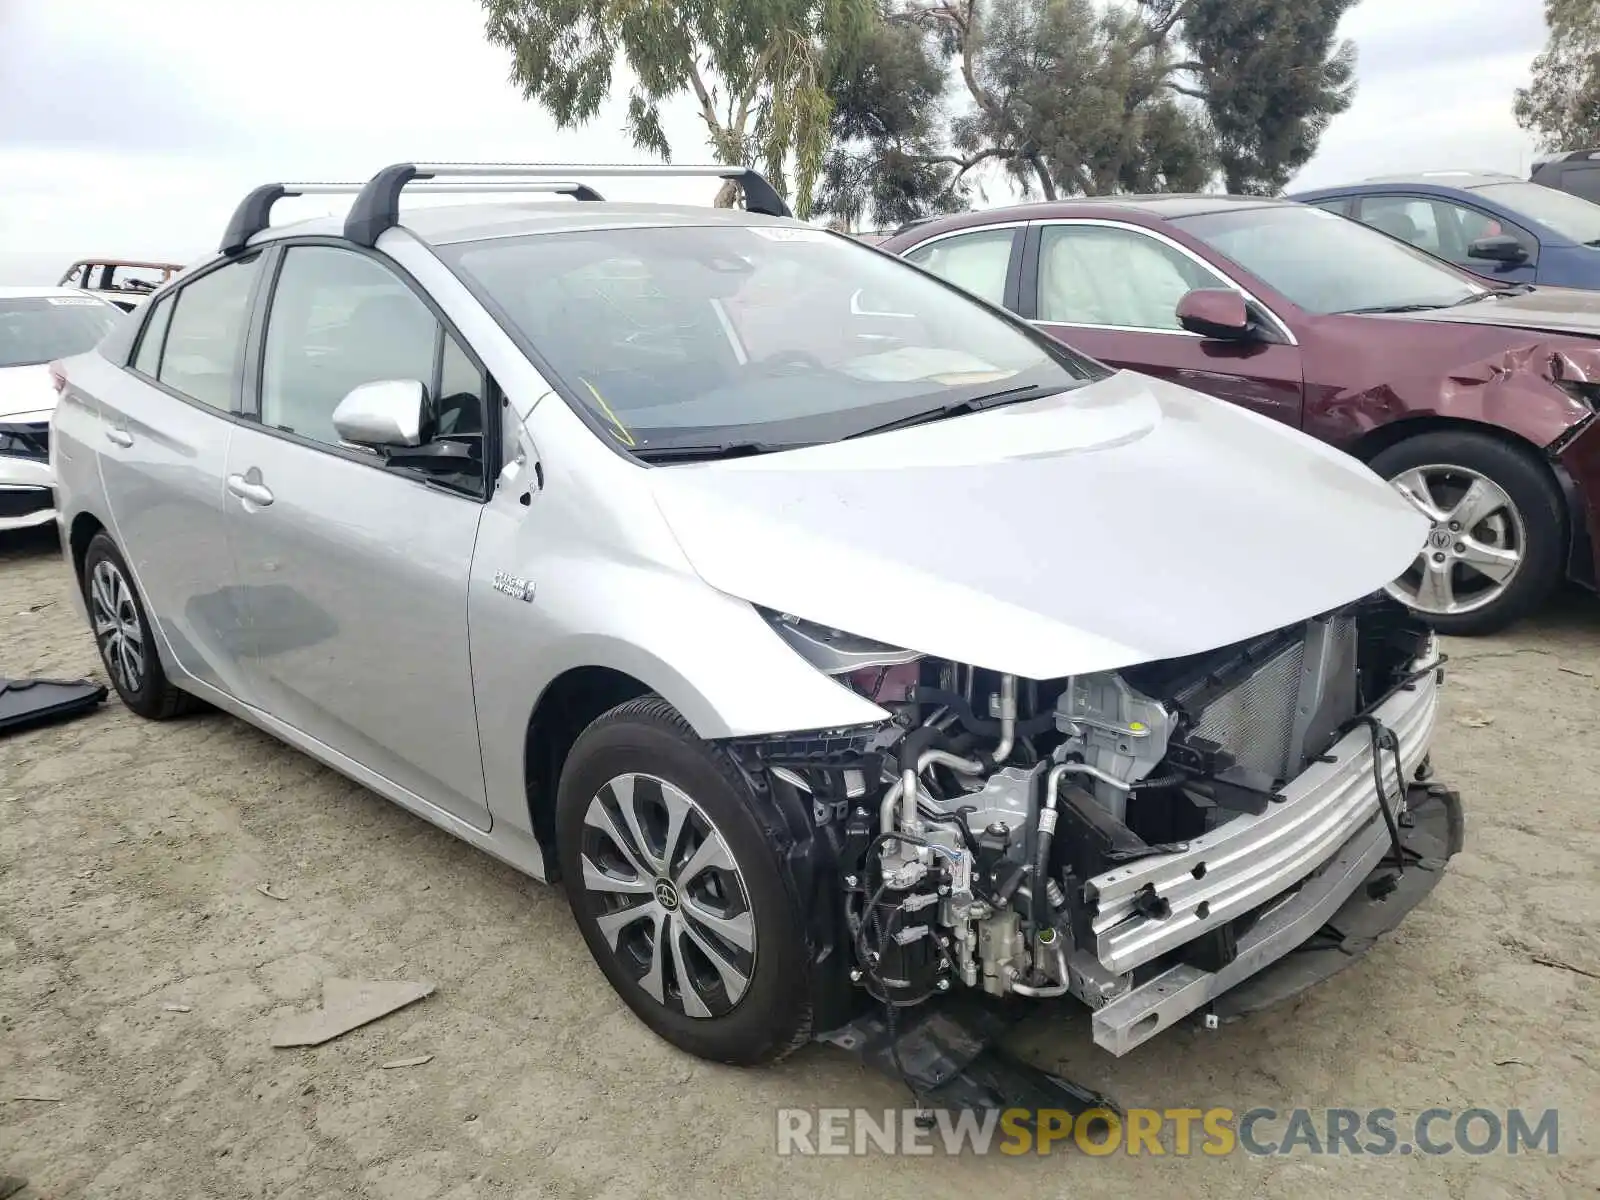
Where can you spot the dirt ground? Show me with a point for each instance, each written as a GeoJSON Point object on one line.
{"type": "Point", "coordinates": [131, 854]}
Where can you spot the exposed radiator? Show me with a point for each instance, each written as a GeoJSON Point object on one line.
{"type": "Point", "coordinates": [1287, 710]}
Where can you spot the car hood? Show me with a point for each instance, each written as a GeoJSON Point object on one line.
{"type": "Point", "coordinates": [1551, 309]}
{"type": "Point", "coordinates": [26, 391]}
{"type": "Point", "coordinates": [1123, 522]}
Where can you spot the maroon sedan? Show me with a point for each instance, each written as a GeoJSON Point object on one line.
{"type": "Point", "coordinates": [1477, 402]}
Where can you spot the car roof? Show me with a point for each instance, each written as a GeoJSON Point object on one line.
{"type": "Point", "coordinates": [39, 293]}
{"type": "Point", "coordinates": [1152, 208]}
{"type": "Point", "coordinates": [1460, 180]}
{"type": "Point", "coordinates": [446, 224]}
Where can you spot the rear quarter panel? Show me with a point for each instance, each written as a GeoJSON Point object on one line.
{"type": "Point", "coordinates": [75, 426]}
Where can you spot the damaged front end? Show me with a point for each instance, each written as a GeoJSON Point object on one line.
{"type": "Point", "coordinates": [1145, 840]}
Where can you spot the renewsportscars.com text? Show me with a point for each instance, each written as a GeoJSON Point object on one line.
{"type": "Point", "coordinates": [1179, 1132]}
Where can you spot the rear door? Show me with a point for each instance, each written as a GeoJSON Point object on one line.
{"type": "Point", "coordinates": [1111, 290]}
{"type": "Point", "coordinates": [355, 573]}
{"type": "Point", "coordinates": [165, 426]}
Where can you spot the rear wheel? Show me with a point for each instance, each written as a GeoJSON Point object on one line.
{"type": "Point", "coordinates": [1497, 529]}
{"type": "Point", "coordinates": [672, 871]}
{"type": "Point", "coordinates": [122, 634]}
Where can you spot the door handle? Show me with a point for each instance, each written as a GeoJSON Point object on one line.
{"type": "Point", "coordinates": [119, 437]}
{"type": "Point", "coordinates": [256, 493]}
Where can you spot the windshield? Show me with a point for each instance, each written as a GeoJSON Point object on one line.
{"type": "Point", "coordinates": [1327, 264]}
{"type": "Point", "coordinates": [694, 335]}
{"type": "Point", "coordinates": [1571, 216]}
{"type": "Point", "coordinates": [40, 329]}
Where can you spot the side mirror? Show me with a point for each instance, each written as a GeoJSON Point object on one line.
{"type": "Point", "coordinates": [1215, 313]}
{"type": "Point", "coordinates": [382, 414]}
{"type": "Point", "coordinates": [1500, 248]}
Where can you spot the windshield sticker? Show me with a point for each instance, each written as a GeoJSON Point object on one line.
{"type": "Point", "coordinates": [785, 233]}
{"type": "Point", "coordinates": [79, 301]}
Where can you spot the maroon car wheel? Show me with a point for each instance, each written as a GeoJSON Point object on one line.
{"type": "Point", "coordinates": [1496, 535]}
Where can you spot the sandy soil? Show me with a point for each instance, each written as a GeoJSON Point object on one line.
{"type": "Point", "coordinates": [131, 853]}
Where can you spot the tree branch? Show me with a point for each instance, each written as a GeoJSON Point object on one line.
{"type": "Point", "coordinates": [1197, 93]}
{"type": "Point", "coordinates": [967, 23]}
{"type": "Point", "coordinates": [1158, 32]}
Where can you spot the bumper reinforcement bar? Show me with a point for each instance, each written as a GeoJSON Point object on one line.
{"type": "Point", "coordinates": [1330, 921]}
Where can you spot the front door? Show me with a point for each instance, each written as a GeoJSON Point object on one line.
{"type": "Point", "coordinates": [355, 573]}
{"type": "Point", "coordinates": [1112, 291]}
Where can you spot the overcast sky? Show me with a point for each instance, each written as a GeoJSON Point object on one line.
{"type": "Point", "coordinates": [130, 128]}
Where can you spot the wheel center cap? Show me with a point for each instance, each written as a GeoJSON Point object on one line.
{"type": "Point", "coordinates": [1441, 538]}
{"type": "Point", "coordinates": [666, 895]}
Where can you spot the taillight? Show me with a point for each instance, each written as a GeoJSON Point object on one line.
{"type": "Point", "coordinates": [58, 377]}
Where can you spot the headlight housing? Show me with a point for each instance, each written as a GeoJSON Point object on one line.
{"type": "Point", "coordinates": [876, 670]}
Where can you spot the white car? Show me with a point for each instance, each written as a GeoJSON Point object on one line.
{"type": "Point", "coordinates": [37, 325]}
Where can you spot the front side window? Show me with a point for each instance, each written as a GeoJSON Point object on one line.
{"type": "Point", "coordinates": [338, 320]}
{"type": "Point", "coordinates": [975, 261]}
{"type": "Point", "coordinates": [1441, 227]}
{"type": "Point", "coordinates": [1326, 264]}
{"type": "Point", "coordinates": [1102, 275]}
{"type": "Point", "coordinates": [205, 337]}
{"type": "Point", "coordinates": [687, 335]}
{"type": "Point", "coordinates": [41, 329]}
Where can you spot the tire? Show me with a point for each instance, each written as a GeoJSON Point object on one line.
{"type": "Point", "coordinates": [108, 589]}
{"type": "Point", "coordinates": [644, 756]}
{"type": "Point", "coordinates": [1531, 524]}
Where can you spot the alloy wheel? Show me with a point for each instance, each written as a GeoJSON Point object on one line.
{"type": "Point", "coordinates": [1475, 544]}
{"type": "Point", "coordinates": [117, 631]}
{"type": "Point", "coordinates": [668, 896]}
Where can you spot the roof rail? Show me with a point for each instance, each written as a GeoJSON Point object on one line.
{"type": "Point", "coordinates": [377, 208]}
{"type": "Point", "coordinates": [254, 212]}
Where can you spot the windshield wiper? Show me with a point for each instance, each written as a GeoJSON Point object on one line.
{"type": "Point", "coordinates": [958, 408]}
{"type": "Point", "coordinates": [1516, 289]}
{"type": "Point", "coordinates": [710, 451]}
{"type": "Point", "coordinates": [1391, 308]}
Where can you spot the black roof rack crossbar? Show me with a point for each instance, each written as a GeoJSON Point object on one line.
{"type": "Point", "coordinates": [254, 211]}
{"type": "Point", "coordinates": [377, 208]}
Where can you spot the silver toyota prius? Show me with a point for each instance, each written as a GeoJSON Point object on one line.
{"type": "Point", "coordinates": [835, 638]}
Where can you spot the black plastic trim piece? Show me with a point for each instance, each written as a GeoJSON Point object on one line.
{"type": "Point", "coordinates": [252, 216]}
{"type": "Point", "coordinates": [26, 702]}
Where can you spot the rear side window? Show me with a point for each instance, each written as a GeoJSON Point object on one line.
{"type": "Point", "coordinates": [976, 262]}
{"type": "Point", "coordinates": [1338, 205]}
{"type": "Point", "coordinates": [148, 360]}
{"type": "Point", "coordinates": [205, 334]}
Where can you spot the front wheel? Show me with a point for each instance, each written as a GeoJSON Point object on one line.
{"type": "Point", "coordinates": [672, 868]}
{"type": "Point", "coordinates": [1497, 531]}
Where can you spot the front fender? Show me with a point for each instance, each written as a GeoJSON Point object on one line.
{"type": "Point", "coordinates": [711, 656]}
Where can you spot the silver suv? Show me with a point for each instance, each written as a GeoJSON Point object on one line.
{"type": "Point", "coordinates": [835, 638]}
